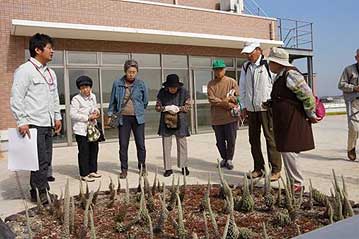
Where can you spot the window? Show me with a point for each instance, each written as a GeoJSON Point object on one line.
{"type": "Point", "coordinates": [175, 61]}
{"type": "Point", "coordinates": [228, 61]}
{"type": "Point", "coordinates": [152, 79]}
{"type": "Point", "coordinates": [108, 77]}
{"type": "Point", "coordinates": [76, 57]}
{"type": "Point", "coordinates": [92, 73]}
{"type": "Point", "coordinates": [109, 58]}
{"type": "Point", "coordinates": [57, 59]}
{"type": "Point", "coordinates": [240, 62]}
{"type": "Point", "coordinates": [60, 84]}
{"type": "Point", "coordinates": [147, 60]}
{"type": "Point", "coordinates": [200, 61]}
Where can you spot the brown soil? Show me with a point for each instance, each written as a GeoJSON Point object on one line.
{"type": "Point", "coordinates": [48, 226]}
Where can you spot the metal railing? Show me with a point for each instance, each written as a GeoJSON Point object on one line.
{"type": "Point", "coordinates": [295, 34]}
{"type": "Point", "coordinates": [252, 7]}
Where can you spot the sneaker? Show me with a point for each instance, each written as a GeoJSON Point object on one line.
{"type": "Point", "coordinates": [87, 179]}
{"type": "Point", "coordinates": [185, 169]}
{"type": "Point", "coordinates": [275, 177]}
{"type": "Point", "coordinates": [95, 175]}
{"type": "Point", "coordinates": [352, 154]}
{"type": "Point", "coordinates": [168, 173]}
{"type": "Point", "coordinates": [255, 174]}
{"type": "Point", "coordinates": [229, 165]}
{"type": "Point", "coordinates": [123, 174]}
{"type": "Point", "coordinates": [223, 163]}
{"type": "Point", "coordinates": [51, 179]}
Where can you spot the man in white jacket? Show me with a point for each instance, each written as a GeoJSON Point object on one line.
{"type": "Point", "coordinates": [35, 104]}
{"type": "Point", "coordinates": [255, 88]}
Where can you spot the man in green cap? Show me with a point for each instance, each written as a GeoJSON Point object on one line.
{"type": "Point", "coordinates": [222, 94]}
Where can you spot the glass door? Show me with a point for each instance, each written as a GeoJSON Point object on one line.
{"type": "Point", "coordinates": [202, 116]}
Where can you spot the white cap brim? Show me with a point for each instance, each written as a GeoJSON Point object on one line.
{"type": "Point", "coordinates": [248, 49]}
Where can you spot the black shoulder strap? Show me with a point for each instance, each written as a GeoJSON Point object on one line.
{"type": "Point", "coordinates": [263, 62]}
{"type": "Point", "coordinates": [246, 67]}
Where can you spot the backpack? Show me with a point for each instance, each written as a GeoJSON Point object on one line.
{"type": "Point", "coordinates": [262, 62]}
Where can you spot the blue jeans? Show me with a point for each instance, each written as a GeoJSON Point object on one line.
{"type": "Point", "coordinates": [124, 132]}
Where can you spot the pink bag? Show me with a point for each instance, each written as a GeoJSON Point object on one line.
{"type": "Point", "coordinates": [319, 108]}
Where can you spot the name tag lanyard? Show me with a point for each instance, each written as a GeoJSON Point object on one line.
{"type": "Point", "coordinates": [49, 82]}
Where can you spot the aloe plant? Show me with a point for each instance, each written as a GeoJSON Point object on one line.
{"type": "Point", "coordinates": [211, 215]}
{"type": "Point", "coordinates": [51, 204]}
{"type": "Point", "coordinates": [245, 203]}
{"type": "Point", "coordinates": [38, 202]}
{"type": "Point", "coordinates": [173, 197]}
{"type": "Point", "coordinates": [154, 185]}
{"type": "Point", "coordinates": [159, 227]}
{"type": "Point", "coordinates": [67, 210]}
{"type": "Point", "coordinates": [127, 196]}
{"type": "Point", "coordinates": [205, 225]}
{"type": "Point", "coordinates": [265, 234]}
{"type": "Point", "coordinates": [88, 204]}
{"type": "Point", "coordinates": [72, 215]}
{"type": "Point", "coordinates": [118, 185]}
{"type": "Point", "coordinates": [92, 226]}
{"type": "Point", "coordinates": [28, 222]}
{"type": "Point", "coordinates": [181, 230]}
{"type": "Point", "coordinates": [226, 190]}
{"type": "Point", "coordinates": [282, 218]}
{"type": "Point", "coordinates": [95, 196]}
{"type": "Point", "coordinates": [268, 197]}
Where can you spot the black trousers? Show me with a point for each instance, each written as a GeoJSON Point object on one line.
{"type": "Point", "coordinates": [226, 139]}
{"type": "Point", "coordinates": [38, 179]}
{"type": "Point", "coordinates": [124, 132]}
{"type": "Point", "coordinates": [256, 121]}
{"type": "Point", "coordinates": [87, 155]}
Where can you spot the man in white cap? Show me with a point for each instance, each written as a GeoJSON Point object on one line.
{"type": "Point", "coordinates": [293, 107]}
{"type": "Point", "coordinates": [349, 84]}
{"type": "Point", "coordinates": [255, 88]}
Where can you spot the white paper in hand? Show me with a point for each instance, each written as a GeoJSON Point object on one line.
{"type": "Point", "coordinates": [22, 151]}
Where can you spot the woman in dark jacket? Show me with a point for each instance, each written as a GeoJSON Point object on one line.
{"type": "Point", "coordinates": [293, 106]}
{"type": "Point", "coordinates": [173, 101]}
{"type": "Point", "coordinates": [129, 99]}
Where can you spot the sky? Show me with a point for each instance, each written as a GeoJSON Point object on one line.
{"type": "Point", "coordinates": [335, 30]}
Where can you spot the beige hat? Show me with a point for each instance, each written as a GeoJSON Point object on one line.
{"type": "Point", "coordinates": [249, 47]}
{"type": "Point", "coordinates": [280, 56]}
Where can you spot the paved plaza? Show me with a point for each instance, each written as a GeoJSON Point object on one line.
{"type": "Point", "coordinates": [330, 153]}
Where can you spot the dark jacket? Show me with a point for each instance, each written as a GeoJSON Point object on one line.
{"type": "Point", "coordinates": [139, 98]}
{"type": "Point", "coordinates": [292, 129]}
{"type": "Point", "coordinates": [179, 99]}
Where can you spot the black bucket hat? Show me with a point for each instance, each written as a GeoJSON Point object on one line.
{"type": "Point", "coordinates": [172, 80]}
{"type": "Point", "coordinates": [83, 80]}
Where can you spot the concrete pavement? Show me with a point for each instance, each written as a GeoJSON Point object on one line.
{"type": "Point", "coordinates": [330, 153]}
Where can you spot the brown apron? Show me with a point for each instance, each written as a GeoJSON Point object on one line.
{"type": "Point", "coordinates": [292, 129]}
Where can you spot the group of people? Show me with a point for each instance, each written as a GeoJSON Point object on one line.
{"type": "Point", "coordinates": [273, 96]}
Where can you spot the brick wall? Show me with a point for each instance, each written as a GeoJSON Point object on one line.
{"type": "Point", "coordinates": [115, 13]}
{"type": "Point", "coordinates": [208, 4]}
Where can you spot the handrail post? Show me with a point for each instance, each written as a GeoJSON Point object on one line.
{"type": "Point", "coordinates": [296, 33]}
{"type": "Point", "coordinates": [311, 35]}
